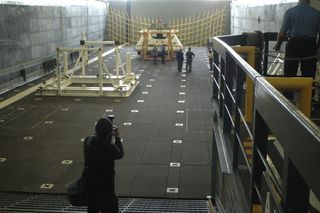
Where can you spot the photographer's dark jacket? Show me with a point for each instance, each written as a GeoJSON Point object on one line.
{"type": "Point", "coordinates": [99, 156]}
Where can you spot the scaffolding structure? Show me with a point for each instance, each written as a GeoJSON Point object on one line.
{"type": "Point", "coordinates": [193, 30]}
{"type": "Point", "coordinates": [75, 81]}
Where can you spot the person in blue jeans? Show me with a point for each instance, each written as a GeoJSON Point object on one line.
{"type": "Point", "coordinates": [100, 152]}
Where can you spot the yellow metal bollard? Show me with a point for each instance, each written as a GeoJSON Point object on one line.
{"type": "Point", "coordinates": [250, 52]}
{"type": "Point", "coordinates": [302, 85]}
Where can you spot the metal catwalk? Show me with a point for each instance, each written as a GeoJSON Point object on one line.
{"type": "Point", "coordinates": [165, 124]}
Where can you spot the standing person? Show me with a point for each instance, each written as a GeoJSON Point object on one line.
{"type": "Point", "coordinates": [99, 156]}
{"type": "Point", "coordinates": [210, 56]}
{"type": "Point", "coordinates": [155, 54]}
{"type": "Point", "coordinates": [189, 55]}
{"type": "Point", "coordinates": [301, 25]}
{"type": "Point", "coordinates": [23, 74]}
{"type": "Point", "coordinates": [179, 57]}
{"type": "Point", "coordinates": [163, 53]}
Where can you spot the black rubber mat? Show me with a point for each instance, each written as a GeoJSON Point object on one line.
{"type": "Point", "coordinates": [170, 116]}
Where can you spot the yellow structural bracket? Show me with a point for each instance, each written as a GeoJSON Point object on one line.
{"type": "Point", "coordinates": [250, 52]}
{"type": "Point", "coordinates": [301, 85]}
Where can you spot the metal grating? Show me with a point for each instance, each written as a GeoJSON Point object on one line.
{"type": "Point", "coordinates": [19, 202]}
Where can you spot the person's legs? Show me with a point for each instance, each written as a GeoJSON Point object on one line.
{"type": "Point", "coordinates": [93, 204]}
{"type": "Point", "coordinates": [110, 205]}
{"type": "Point", "coordinates": [187, 66]}
{"type": "Point", "coordinates": [179, 65]}
{"type": "Point", "coordinates": [290, 65]}
{"type": "Point", "coordinates": [93, 209]}
{"type": "Point", "coordinates": [309, 66]}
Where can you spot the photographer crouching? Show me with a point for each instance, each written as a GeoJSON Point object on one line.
{"type": "Point", "coordinates": [100, 151]}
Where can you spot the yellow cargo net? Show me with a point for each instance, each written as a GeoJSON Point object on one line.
{"type": "Point", "coordinates": [193, 31]}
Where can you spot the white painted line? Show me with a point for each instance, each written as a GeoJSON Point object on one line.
{"type": "Point", "coordinates": [183, 86]}
{"type": "Point", "coordinates": [2, 160]}
{"type": "Point", "coordinates": [174, 164]}
{"type": "Point", "coordinates": [77, 99]}
{"type": "Point", "coordinates": [145, 93]}
{"type": "Point", "coordinates": [149, 85]}
{"type": "Point", "coordinates": [82, 139]}
{"type": "Point", "coordinates": [21, 108]}
{"type": "Point", "coordinates": [27, 138]}
{"type": "Point", "coordinates": [1, 121]}
{"type": "Point", "coordinates": [177, 141]}
{"type": "Point", "coordinates": [178, 124]}
{"type": "Point", "coordinates": [152, 79]}
{"type": "Point", "coordinates": [183, 80]}
{"type": "Point", "coordinates": [64, 109]}
{"type": "Point", "coordinates": [172, 190]}
{"type": "Point", "coordinates": [187, 120]}
{"type": "Point", "coordinates": [109, 110]}
{"type": "Point", "coordinates": [127, 124]}
{"type": "Point", "coordinates": [38, 99]}
{"type": "Point", "coordinates": [134, 110]}
{"type": "Point", "coordinates": [180, 111]}
{"type": "Point", "coordinates": [181, 101]}
{"type": "Point", "coordinates": [140, 101]}
{"type": "Point", "coordinates": [183, 75]}
{"type": "Point", "coordinates": [46, 186]}
{"type": "Point", "coordinates": [48, 122]}
{"type": "Point", "coordinates": [182, 93]}
{"type": "Point", "coordinates": [67, 162]}
{"type": "Point", "coordinates": [117, 100]}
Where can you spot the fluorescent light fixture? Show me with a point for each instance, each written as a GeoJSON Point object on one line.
{"type": "Point", "coordinates": [52, 3]}
{"type": "Point", "coordinates": [260, 2]}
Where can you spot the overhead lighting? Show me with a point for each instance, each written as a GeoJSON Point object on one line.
{"type": "Point", "coordinates": [260, 2]}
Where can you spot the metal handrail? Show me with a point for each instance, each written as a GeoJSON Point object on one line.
{"type": "Point", "coordinates": [273, 113]}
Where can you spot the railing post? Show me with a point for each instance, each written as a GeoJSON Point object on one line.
{"type": "Point", "coordinates": [265, 57]}
{"type": "Point", "coordinates": [238, 97]}
{"type": "Point", "coordinates": [227, 102]}
{"type": "Point", "coordinates": [295, 190]}
{"type": "Point", "coordinates": [216, 74]}
{"type": "Point", "coordinates": [221, 85]}
{"type": "Point", "coordinates": [260, 140]}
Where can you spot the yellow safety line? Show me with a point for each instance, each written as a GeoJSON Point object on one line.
{"type": "Point", "coordinates": [32, 89]}
{"type": "Point", "coordinates": [20, 95]}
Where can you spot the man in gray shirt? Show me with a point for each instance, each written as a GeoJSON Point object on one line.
{"type": "Point", "coordinates": [301, 25]}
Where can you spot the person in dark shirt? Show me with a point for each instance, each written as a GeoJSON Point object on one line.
{"type": "Point", "coordinates": [301, 25]}
{"type": "Point", "coordinates": [163, 53]}
{"type": "Point", "coordinates": [179, 57]}
{"type": "Point", "coordinates": [155, 54]}
{"type": "Point", "coordinates": [189, 56]}
{"type": "Point", "coordinates": [100, 152]}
